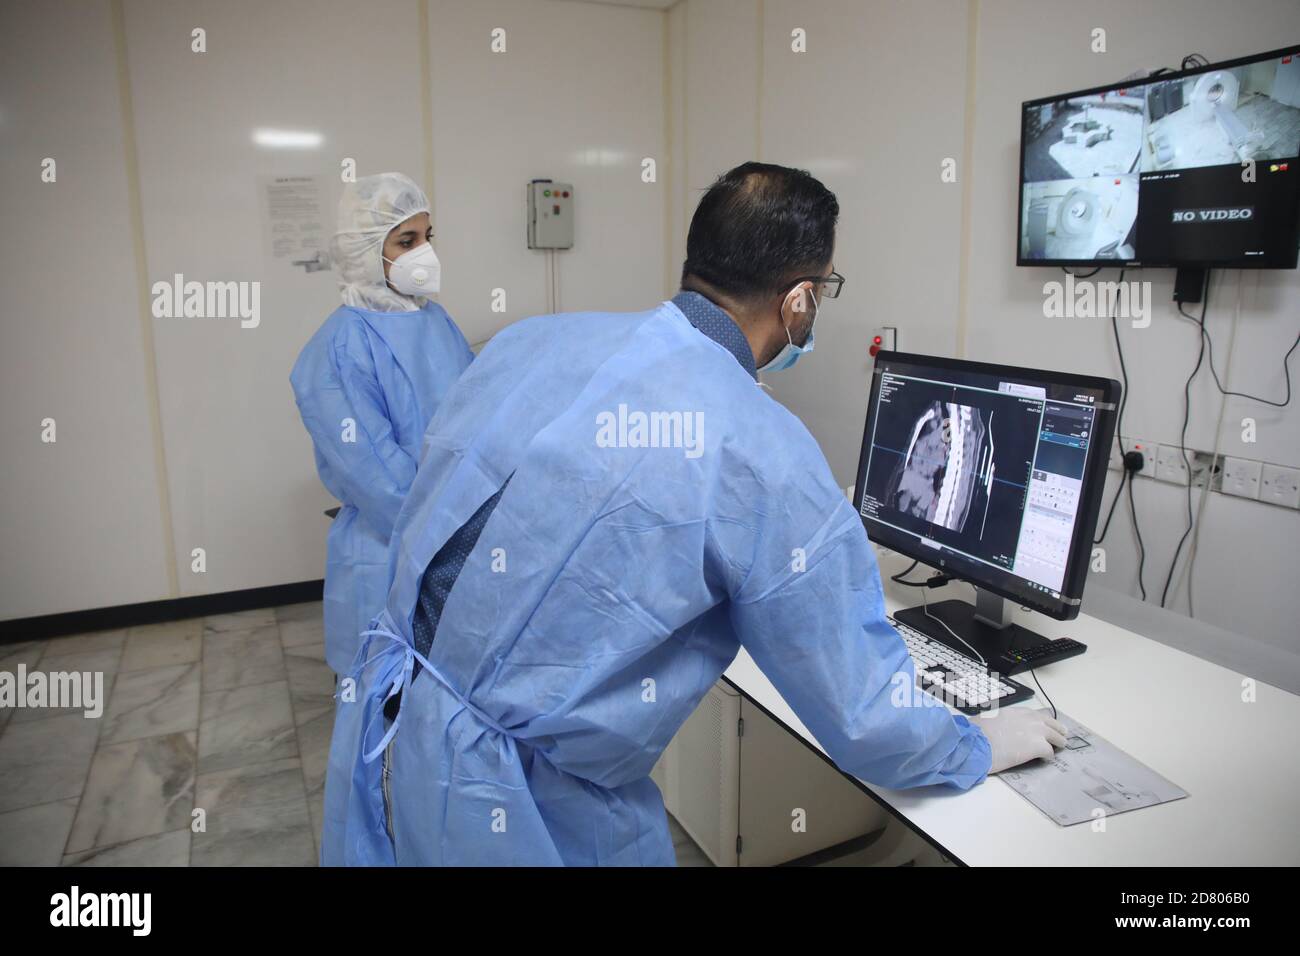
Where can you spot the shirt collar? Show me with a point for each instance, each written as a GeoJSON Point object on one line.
{"type": "Point", "coordinates": [717, 325]}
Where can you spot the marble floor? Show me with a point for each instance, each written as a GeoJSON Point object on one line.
{"type": "Point", "coordinates": [221, 722]}
{"type": "Point", "coordinates": [228, 715]}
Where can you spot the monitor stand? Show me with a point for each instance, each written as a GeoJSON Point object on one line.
{"type": "Point", "coordinates": [985, 625]}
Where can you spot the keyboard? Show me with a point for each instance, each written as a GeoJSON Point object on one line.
{"type": "Point", "coordinates": [956, 678]}
{"type": "Point", "coordinates": [1048, 652]}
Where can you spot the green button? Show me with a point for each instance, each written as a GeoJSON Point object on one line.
{"type": "Point", "coordinates": [546, 192]}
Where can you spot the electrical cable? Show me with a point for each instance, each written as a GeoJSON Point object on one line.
{"type": "Point", "coordinates": [549, 292]}
{"type": "Point", "coordinates": [1123, 368]}
{"type": "Point", "coordinates": [936, 580]}
{"type": "Point", "coordinates": [1084, 275]}
{"type": "Point", "coordinates": [555, 281]}
{"type": "Point", "coordinates": [1119, 431]}
{"type": "Point", "coordinates": [1189, 568]}
{"type": "Point", "coordinates": [1123, 477]}
{"type": "Point", "coordinates": [1286, 369]}
{"type": "Point", "coordinates": [1044, 693]}
{"type": "Point", "coordinates": [925, 607]}
{"type": "Point", "coordinates": [1142, 551]}
{"type": "Point", "coordinates": [1182, 442]}
{"type": "Point", "coordinates": [925, 604]}
{"type": "Point", "coordinates": [905, 572]}
{"type": "Point", "coordinates": [1119, 419]}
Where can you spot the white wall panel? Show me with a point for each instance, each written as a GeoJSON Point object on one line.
{"type": "Point", "coordinates": [81, 520]}
{"type": "Point", "coordinates": [720, 115]}
{"type": "Point", "coordinates": [578, 97]}
{"type": "Point", "coordinates": [872, 109]}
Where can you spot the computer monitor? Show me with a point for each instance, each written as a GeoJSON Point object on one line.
{"type": "Point", "coordinates": [992, 474]}
{"type": "Point", "coordinates": [1194, 169]}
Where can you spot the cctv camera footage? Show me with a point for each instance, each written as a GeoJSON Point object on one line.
{"type": "Point", "coordinates": [1195, 169]}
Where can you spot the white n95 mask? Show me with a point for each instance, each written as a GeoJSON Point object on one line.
{"type": "Point", "coordinates": [417, 272]}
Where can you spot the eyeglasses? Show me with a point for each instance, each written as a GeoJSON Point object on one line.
{"type": "Point", "coordinates": [830, 285]}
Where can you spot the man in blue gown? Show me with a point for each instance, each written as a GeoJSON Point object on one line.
{"type": "Point", "coordinates": [608, 508]}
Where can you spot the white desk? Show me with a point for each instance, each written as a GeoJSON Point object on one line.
{"type": "Point", "coordinates": [1180, 715]}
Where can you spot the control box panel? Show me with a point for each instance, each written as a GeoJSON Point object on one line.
{"type": "Point", "coordinates": [550, 215]}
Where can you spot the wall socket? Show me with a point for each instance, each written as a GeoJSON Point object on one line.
{"type": "Point", "coordinates": [1280, 485]}
{"type": "Point", "coordinates": [1241, 477]}
{"type": "Point", "coordinates": [1205, 467]}
{"type": "Point", "coordinates": [1148, 450]}
{"type": "Point", "coordinates": [1273, 484]}
{"type": "Point", "coordinates": [1170, 465]}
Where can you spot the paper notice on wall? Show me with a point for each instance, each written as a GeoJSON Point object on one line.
{"type": "Point", "coordinates": [293, 212]}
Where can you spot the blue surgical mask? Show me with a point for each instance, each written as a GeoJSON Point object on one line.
{"type": "Point", "coordinates": [791, 352]}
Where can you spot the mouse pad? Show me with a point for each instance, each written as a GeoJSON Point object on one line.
{"type": "Point", "coordinates": [1088, 780]}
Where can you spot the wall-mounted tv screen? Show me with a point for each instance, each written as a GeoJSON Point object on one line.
{"type": "Point", "coordinates": [1199, 168]}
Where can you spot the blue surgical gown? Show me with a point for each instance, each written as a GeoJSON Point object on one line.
{"type": "Point", "coordinates": [367, 384]}
{"type": "Point", "coordinates": [612, 584]}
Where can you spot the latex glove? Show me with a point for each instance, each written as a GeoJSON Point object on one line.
{"type": "Point", "coordinates": [1017, 735]}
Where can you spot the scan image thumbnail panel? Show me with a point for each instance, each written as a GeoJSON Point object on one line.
{"type": "Point", "coordinates": [948, 455]}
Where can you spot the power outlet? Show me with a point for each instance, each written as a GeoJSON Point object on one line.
{"type": "Point", "coordinates": [1148, 455]}
{"type": "Point", "coordinates": [1241, 477]}
{"type": "Point", "coordinates": [1170, 465]}
{"type": "Point", "coordinates": [1204, 466]}
{"type": "Point", "coordinates": [1279, 485]}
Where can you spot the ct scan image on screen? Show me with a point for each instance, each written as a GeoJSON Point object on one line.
{"type": "Point", "coordinates": [944, 456]}
{"type": "Point", "coordinates": [946, 460]}
{"type": "Point", "coordinates": [992, 470]}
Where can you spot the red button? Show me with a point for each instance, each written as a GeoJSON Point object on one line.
{"type": "Point", "coordinates": [566, 194]}
{"type": "Point", "coordinates": [873, 350]}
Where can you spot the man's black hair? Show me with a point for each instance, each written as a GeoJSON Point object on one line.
{"type": "Point", "coordinates": [758, 228]}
